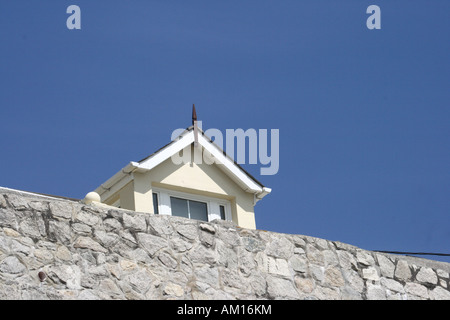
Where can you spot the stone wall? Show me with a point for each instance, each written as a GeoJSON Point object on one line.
{"type": "Point", "coordinates": [94, 252]}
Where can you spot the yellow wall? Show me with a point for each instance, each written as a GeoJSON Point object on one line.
{"type": "Point", "coordinates": [126, 195]}
{"type": "Point", "coordinates": [201, 179]}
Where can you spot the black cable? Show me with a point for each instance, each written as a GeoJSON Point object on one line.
{"type": "Point", "coordinates": [416, 253]}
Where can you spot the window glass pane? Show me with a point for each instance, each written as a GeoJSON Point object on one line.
{"type": "Point", "coordinates": [198, 210]}
{"type": "Point", "coordinates": [222, 212]}
{"type": "Point", "coordinates": [179, 207]}
{"type": "Point", "coordinates": [155, 203]}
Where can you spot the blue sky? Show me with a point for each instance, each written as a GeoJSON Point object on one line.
{"type": "Point", "coordinates": [363, 114]}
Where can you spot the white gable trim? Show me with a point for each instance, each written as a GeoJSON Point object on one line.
{"type": "Point", "coordinates": [167, 152]}
{"type": "Point", "coordinates": [226, 164]}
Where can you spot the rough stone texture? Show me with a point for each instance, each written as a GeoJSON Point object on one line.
{"type": "Point", "coordinates": [93, 252]}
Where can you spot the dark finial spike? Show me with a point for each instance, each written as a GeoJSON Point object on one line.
{"type": "Point", "coordinates": [194, 123]}
{"type": "Point", "coordinates": [194, 114]}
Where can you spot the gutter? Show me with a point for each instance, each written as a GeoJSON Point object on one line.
{"type": "Point", "coordinates": [259, 195]}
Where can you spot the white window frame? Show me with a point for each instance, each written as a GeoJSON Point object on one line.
{"type": "Point", "coordinates": [212, 204]}
{"type": "Point", "coordinates": [159, 201]}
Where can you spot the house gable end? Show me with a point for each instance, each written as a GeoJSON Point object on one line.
{"type": "Point", "coordinates": [227, 165]}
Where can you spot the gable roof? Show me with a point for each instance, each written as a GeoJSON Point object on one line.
{"type": "Point", "coordinates": [233, 170]}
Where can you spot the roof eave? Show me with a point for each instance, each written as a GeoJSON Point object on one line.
{"type": "Point", "coordinates": [120, 175]}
